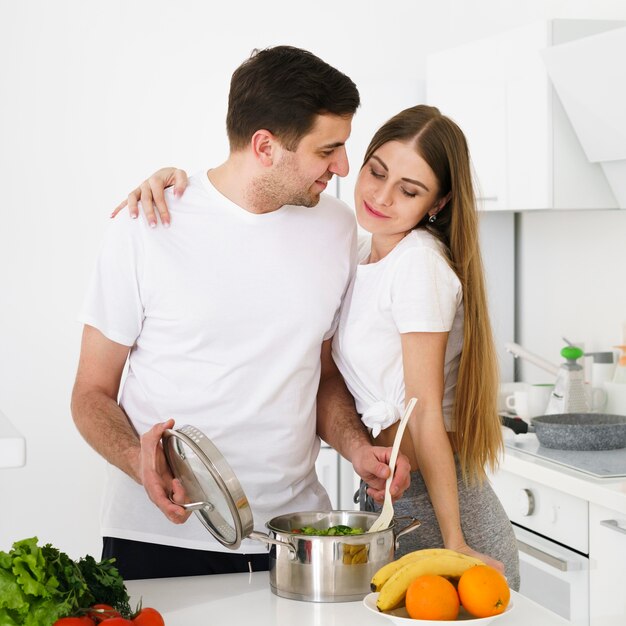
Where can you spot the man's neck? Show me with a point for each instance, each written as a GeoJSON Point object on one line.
{"type": "Point", "coordinates": [234, 180]}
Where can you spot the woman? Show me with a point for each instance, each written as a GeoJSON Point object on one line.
{"type": "Point", "coordinates": [415, 323]}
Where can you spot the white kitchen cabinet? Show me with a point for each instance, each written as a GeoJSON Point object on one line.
{"type": "Point", "coordinates": [607, 553]}
{"type": "Point", "coordinates": [604, 522]}
{"type": "Point", "coordinates": [524, 150]}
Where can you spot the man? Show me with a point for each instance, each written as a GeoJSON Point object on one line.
{"type": "Point", "coordinates": [225, 320]}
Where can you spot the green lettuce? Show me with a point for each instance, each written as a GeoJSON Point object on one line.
{"type": "Point", "coordinates": [40, 584]}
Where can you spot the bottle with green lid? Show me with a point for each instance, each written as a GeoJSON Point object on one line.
{"type": "Point", "coordinates": [568, 395]}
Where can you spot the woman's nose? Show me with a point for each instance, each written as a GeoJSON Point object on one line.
{"type": "Point", "coordinates": [383, 195]}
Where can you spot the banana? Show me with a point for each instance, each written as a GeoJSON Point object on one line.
{"type": "Point", "coordinates": [392, 594]}
{"type": "Point", "coordinates": [386, 571]}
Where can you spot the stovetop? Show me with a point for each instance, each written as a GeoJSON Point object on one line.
{"type": "Point", "coordinates": [599, 464]}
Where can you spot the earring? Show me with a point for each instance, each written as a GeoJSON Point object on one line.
{"type": "Point", "coordinates": [433, 218]}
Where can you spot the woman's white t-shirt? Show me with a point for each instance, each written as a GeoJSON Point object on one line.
{"type": "Point", "coordinates": [412, 289]}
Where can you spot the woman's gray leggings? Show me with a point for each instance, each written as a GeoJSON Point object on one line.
{"type": "Point", "coordinates": [484, 522]}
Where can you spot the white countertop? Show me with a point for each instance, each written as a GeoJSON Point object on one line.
{"type": "Point", "coordinates": [12, 444]}
{"type": "Point", "coordinates": [607, 492]}
{"type": "Point", "coordinates": [238, 599]}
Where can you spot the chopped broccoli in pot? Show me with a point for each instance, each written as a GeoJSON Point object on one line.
{"type": "Point", "coordinates": [339, 530]}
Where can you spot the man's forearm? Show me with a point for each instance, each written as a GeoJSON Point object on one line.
{"type": "Point", "coordinates": [340, 426]}
{"type": "Point", "coordinates": [107, 429]}
{"type": "Point", "coordinates": [338, 423]}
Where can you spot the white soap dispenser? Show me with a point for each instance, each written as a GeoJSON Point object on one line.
{"type": "Point", "coordinates": [568, 395]}
{"type": "Point", "coordinates": [602, 368]}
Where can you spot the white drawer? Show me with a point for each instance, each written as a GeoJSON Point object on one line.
{"type": "Point", "coordinates": [552, 513]}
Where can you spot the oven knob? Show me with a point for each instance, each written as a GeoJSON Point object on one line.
{"type": "Point", "coordinates": [526, 502]}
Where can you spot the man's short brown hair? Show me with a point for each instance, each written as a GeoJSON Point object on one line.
{"type": "Point", "coordinates": [282, 89]}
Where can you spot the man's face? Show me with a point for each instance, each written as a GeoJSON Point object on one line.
{"type": "Point", "coordinates": [299, 177]}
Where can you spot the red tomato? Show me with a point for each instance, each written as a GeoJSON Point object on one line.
{"type": "Point", "coordinates": [100, 612]}
{"type": "Point", "coordinates": [116, 621]}
{"type": "Point", "coordinates": [74, 621]}
{"type": "Point", "coordinates": [148, 617]}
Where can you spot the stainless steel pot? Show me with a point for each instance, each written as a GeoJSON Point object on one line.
{"type": "Point", "coordinates": [302, 567]}
{"type": "Point", "coordinates": [328, 569]}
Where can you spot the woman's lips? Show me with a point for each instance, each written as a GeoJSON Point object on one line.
{"type": "Point", "coordinates": [373, 211]}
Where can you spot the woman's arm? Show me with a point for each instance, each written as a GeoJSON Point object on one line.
{"type": "Point", "coordinates": [423, 357]}
{"type": "Point", "coordinates": [150, 193]}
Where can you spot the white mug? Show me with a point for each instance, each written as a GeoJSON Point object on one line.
{"type": "Point", "coordinates": [518, 403]}
{"type": "Point", "coordinates": [507, 389]}
{"type": "Point", "coordinates": [538, 398]}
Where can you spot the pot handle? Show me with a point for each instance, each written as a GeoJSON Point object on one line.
{"type": "Point", "coordinates": [410, 527]}
{"type": "Point", "coordinates": [276, 542]}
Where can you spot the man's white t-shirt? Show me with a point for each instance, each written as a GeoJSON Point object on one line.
{"type": "Point", "coordinates": [412, 289]}
{"type": "Point", "coordinates": [226, 312]}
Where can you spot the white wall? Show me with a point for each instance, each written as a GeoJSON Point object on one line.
{"type": "Point", "coordinates": [93, 96]}
{"type": "Point", "coordinates": [570, 283]}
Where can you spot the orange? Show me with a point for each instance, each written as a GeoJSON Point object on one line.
{"type": "Point", "coordinates": [432, 597]}
{"type": "Point", "coordinates": [483, 591]}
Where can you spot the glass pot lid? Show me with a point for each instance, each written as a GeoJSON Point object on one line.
{"type": "Point", "coordinates": [213, 491]}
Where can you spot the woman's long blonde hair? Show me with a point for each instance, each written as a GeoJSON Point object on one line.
{"type": "Point", "coordinates": [441, 143]}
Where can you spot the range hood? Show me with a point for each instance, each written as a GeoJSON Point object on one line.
{"type": "Point", "coordinates": [589, 76]}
